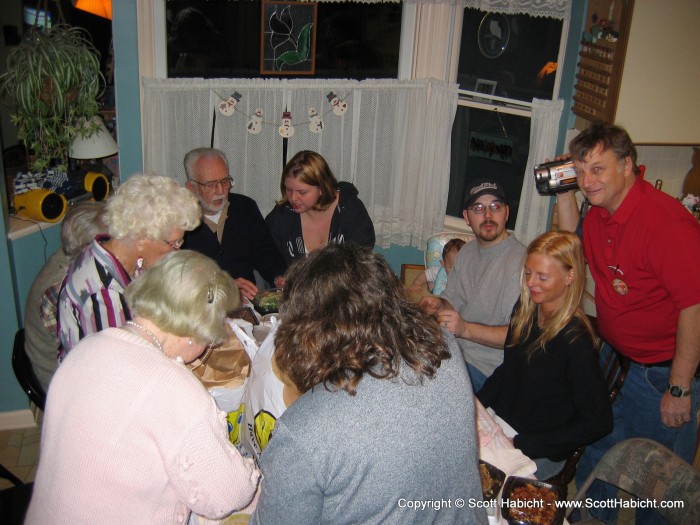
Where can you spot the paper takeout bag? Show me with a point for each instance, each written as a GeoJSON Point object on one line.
{"type": "Point", "coordinates": [224, 372]}
{"type": "Point", "coordinates": [225, 366]}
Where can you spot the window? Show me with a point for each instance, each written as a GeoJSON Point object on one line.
{"type": "Point", "coordinates": [518, 53]}
{"type": "Point", "coordinates": [513, 57]}
{"type": "Point", "coordinates": [221, 39]}
{"type": "Point", "coordinates": [487, 144]}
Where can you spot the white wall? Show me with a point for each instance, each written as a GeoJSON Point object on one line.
{"type": "Point", "coordinates": [668, 163]}
{"type": "Point", "coordinates": [658, 101]}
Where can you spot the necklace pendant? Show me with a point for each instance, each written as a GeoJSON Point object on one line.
{"type": "Point", "coordinates": [620, 286]}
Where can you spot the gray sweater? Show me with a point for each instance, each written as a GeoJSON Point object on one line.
{"type": "Point", "coordinates": [337, 459]}
{"type": "Point", "coordinates": [41, 345]}
{"type": "Point", "coordinates": [483, 287]}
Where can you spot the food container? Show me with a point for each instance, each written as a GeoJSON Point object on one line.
{"type": "Point", "coordinates": [492, 479]}
{"type": "Point", "coordinates": [268, 302]}
{"type": "Point", "coordinates": [527, 501]}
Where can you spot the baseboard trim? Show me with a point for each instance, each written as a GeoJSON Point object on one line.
{"type": "Point", "coordinates": [16, 420]}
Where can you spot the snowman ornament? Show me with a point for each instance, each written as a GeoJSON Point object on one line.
{"type": "Point", "coordinates": [315, 122]}
{"type": "Point", "coordinates": [286, 130]}
{"type": "Point", "coordinates": [255, 122]}
{"type": "Point", "coordinates": [339, 107]}
{"type": "Point", "coordinates": [228, 106]}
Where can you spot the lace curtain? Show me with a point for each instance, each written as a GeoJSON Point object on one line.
{"type": "Point", "coordinates": [559, 9]}
{"type": "Point", "coordinates": [533, 211]}
{"type": "Point", "coordinates": [393, 142]}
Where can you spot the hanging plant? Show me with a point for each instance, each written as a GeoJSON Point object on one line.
{"type": "Point", "coordinates": [53, 79]}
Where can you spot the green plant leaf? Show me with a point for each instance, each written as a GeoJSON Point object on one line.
{"type": "Point", "coordinates": [52, 79]}
{"type": "Point", "coordinates": [288, 58]}
{"type": "Point", "coordinates": [304, 42]}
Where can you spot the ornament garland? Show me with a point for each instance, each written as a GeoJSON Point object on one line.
{"type": "Point", "coordinates": [255, 122]}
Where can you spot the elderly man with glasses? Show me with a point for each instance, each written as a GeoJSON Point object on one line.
{"type": "Point", "coordinates": [484, 284]}
{"type": "Point", "coordinates": [233, 231]}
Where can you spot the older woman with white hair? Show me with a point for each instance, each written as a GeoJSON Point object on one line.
{"type": "Point", "coordinates": [130, 435]}
{"type": "Point", "coordinates": [146, 218]}
{"type": "Point", "coordinates": [80, 225]}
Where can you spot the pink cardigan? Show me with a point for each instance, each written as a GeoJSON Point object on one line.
{"type": "Point", "coordinates": [131, 436]}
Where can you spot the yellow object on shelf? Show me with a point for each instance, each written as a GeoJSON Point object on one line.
{"type": "Point", "coordinates": [41, 205]}
{"type": "Point", "coordinates": [97, 185]}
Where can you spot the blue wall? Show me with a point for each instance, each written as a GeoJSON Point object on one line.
{"type": "Point", "coordinates": [11, 395]}
{"type": "Point", "coordinates": [127, 87]}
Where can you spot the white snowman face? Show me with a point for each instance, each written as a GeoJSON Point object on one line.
{"type": "Point", "coordinates": [228, 106]}
{"type": "Point", "coordinates": [255, 122]}
{"type": "Point", "coordinates": [315, 124]}
{"type": "Point", "coordinates": [339, 107]}
{"type": "Point", "coordinates": [254, 126]}
{"type": "Point", "coordinates": [286, 131]}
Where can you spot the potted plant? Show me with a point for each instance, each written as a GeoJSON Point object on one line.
{"type": "Point", "coordinates": [53, 79]}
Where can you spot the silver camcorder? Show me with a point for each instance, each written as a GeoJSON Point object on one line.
{"type": "Point", "coordinates": [555, 177]}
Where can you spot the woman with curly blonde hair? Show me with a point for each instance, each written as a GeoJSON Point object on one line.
{"type": "Point", "coordinates": [386, 401]}
{"type": "Point", "coordinates": [146, 218]}
{"type": "Point", "coordinates": [550, 388]}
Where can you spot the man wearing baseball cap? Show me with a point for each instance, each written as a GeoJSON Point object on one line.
{"type": "Point", "coordinates": [484, 284]}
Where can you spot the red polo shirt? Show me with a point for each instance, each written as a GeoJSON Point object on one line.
{"type": "Point", "coordinates": [645, 261]}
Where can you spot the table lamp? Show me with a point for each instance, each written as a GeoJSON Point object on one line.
{"type": "Point", "coordinates": [93, 177]}
{"type": "Point", "coordinates": [99, 144]}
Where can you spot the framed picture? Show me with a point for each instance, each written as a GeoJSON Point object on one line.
{"type": "Point", "coordinates": [288, 34]}
{"type": "Point", "coordinates": [494, 35]}
{"type": "Point", "coordinates": [487, 87]}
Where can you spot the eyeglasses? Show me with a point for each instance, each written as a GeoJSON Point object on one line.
{"type": "Point", "coordinates": [212, 185]}
{"type": "Point", "coordinates": [480, 209]}
{"type": "Point", "coordinates": [175, 245]}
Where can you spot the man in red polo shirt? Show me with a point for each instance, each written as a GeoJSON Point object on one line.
{"type": "Point", "coordinates": [643, 250]}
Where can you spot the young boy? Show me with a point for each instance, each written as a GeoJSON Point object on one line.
{"type": "Point", "coordinates": [436, 276]}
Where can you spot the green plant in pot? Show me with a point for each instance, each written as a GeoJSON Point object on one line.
{"type": "Point", "coordinates": [53, 79]}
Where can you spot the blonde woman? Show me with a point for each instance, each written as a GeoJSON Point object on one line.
{"type": "Point", "coordinates": [550, 388]}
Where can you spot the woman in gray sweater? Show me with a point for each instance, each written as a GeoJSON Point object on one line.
{"type": "Point", "coordinates": [385, 429]}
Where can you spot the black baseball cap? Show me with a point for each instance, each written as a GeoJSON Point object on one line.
{"type": "Point", "coordinates": [484, 187]}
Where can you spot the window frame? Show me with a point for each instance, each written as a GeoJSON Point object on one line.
{"type": "Point", "coordinates": [509, 106]}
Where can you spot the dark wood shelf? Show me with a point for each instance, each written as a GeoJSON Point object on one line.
{"type": "Point", "coordinates": [600, 69]}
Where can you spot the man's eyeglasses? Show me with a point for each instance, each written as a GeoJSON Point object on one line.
{"type": "Point", "coordinates": [175, 245]}
{"type": "Point", "coordinates": [212, 185]}
{"type": "Point", "coordinates": [480, 209]}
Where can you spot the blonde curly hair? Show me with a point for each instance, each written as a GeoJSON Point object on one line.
{"type": "Point", "coordinates": [150, 206]}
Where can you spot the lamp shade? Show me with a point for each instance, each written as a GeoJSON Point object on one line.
{"type": "Point", "coordinates": [101, 8]}
{"type": "Point", "coordinates": [99, 144]}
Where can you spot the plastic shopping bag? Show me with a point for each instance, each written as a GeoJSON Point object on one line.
{"type": "Point", "coordinates": [263, 398]}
